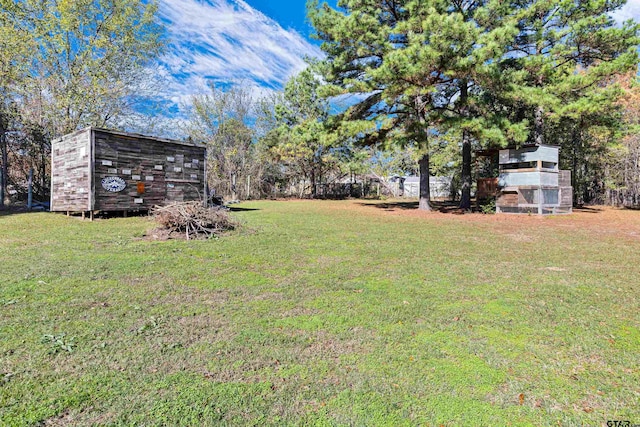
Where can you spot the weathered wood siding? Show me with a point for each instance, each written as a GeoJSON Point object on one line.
{"type": "Point", "coordinates": [156, 171]}
{"type": "Point", "coordinates": [169, 171]}
{"type": "Point", "coordinates": [70, 174]}
{"type": "Point", "coordinates": [566, 197]}
{"type": "Point", "coordinates": [564, 179]}
{"type": "Point", "coordinates": [546, 153]}
{"type": "Point", "coordinates": [507, 199]}
{"type": "Point", "coordinates": [487, 188]}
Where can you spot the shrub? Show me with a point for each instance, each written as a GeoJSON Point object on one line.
{"type": "Point", "coordinates": [489, 207]}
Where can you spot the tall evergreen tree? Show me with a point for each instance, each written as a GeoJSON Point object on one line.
{"type": "Point", "coordinates": [417, 64]}
{"type": "Point", "coordinates": [494, 70]}
{"type": "Point", "coordinates": [566, 59]}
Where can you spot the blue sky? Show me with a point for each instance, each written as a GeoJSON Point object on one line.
{"type": "Point", "coordinates": [256, 43]}
{"type": "Point", "coordinates": [289, 14]}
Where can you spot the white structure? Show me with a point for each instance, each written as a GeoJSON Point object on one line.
{"type": "Point", "coordinates": [439, 186]}
{"type": "Point", "coordinates": [530, 182]}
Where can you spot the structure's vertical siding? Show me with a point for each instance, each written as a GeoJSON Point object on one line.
{"type": "Point", "coordinates": [92, 174]}
{"type": "Point", "coordinates": [566, 191]}
{"type": "Point", "coordinates": [127, 158]}
{"type": "Point", "coordinates": [564, 179]}
{"type": "Point", "coordinates": [155, 171]}
{"type": "Point", "coordinates": [70, 172]}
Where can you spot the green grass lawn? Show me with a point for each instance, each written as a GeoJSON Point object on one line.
{"type": "Point", "coordinates": [322, 313]}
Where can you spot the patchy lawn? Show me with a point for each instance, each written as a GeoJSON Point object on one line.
{"type": "Point", "coordinates": [323, 313]}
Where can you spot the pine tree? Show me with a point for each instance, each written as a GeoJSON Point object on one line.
{"type": "Point", "coordinates": [493, 70]}
{"type": "Point", "coordinates": [419, 66]}
{"type": "Point", "coordinates": [566, 51]}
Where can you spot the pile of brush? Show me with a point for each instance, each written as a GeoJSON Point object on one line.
{"type": "Point", "coordinates": [192, 220]}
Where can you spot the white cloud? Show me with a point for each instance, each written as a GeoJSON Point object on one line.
{"type": "Point", "coordinates": [227, 42]}
{"type": "Point", "coordinates": [631, 10]}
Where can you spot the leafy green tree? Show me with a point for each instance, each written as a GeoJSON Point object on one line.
{"type": "Point", "coordinates": [90, 58]}
{"type": "Point", "coordinates": [74, 63]}
{"type": "Point", "coordinates": [16, 45]}
{"type": "Point", "coordinates": [416, 64]}
{"type": "Point", "coordinates": [624, 166]}
{"type": "Point", "coordinates": [303, 140]}
{"type": "Point", "coordinates": [353, 160]}
{"type": "Point", "coordinates": [222, 119]}
{"type": "Point", "coordinates": [604, 151]}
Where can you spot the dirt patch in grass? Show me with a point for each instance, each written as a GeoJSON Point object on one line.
{"type": "Point", "coordinates": [603, 220]}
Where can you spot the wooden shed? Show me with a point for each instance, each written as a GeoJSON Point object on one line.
{"type": "Point", "coordinates": [104, 170]}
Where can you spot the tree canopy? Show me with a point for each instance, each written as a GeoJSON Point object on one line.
{"type": "Point", "coordinates": [67, 64]}
{"type": "Point", "coordinates": [494, 70]}
{"type": "Point", "coordinates": [90, 56]}
{"type": "Point", "coordinates": [303, 140]}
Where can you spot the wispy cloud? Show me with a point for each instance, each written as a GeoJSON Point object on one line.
{"type": "Point", "coordinates": [229, 42]}
{"type": "Point", "coordinates": [631, 10]}
{"type": "Point", "coordinates": [226, 42]}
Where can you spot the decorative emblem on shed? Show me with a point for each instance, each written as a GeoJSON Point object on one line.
{"type": "Point", "coordinates": [113, 184]}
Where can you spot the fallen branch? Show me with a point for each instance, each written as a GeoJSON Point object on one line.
{"type": "Point", "coordinates": [193, 220]}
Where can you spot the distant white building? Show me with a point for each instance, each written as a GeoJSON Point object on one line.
{"type": "Point", "coordinates": [409, 186]}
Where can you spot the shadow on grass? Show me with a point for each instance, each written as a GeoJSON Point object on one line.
{"type": "Point", "coordinates": [391, 205]}
{"type": "Point", "coordinates": [14, 210]}
{"type": "Point", "coordinates": [587, 209]}
{"type": "Point", "coordinates": [239, 209]}
{"type": "Point", "coordinates": [451, 207]}
{"type": "Point", "coordinates": [441, 206]}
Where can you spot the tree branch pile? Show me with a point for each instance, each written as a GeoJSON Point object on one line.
{"type": "Point", "coordinates": [193, 220]}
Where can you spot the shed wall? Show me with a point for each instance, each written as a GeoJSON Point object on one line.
{"type": "Point", "coordinates": [508, 179]}
{"type": "Point", "coordinates": [168, 171]}
{"type": "Point", "coordinates": [439, 187]}
{"type": "Point", "coordinates": [70, 174]}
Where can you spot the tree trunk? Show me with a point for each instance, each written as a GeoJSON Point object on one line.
{"type": "Point", "coordinates": [578, 163]}
{"type": "Point", "coordinates": [465, 201]}
{"type": "Point", "coordinates": [43, 176]}
{"type": "Point", "coordinates": [539, 126]}
{"type": "Point", "coordinates": [4, 171]}
{"type": "Point", "coordinates": [425, 195]}
{"type": "Point", "coordinates": [234, 192]}
{"type": "Point", "coordinates": [30, 190]}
